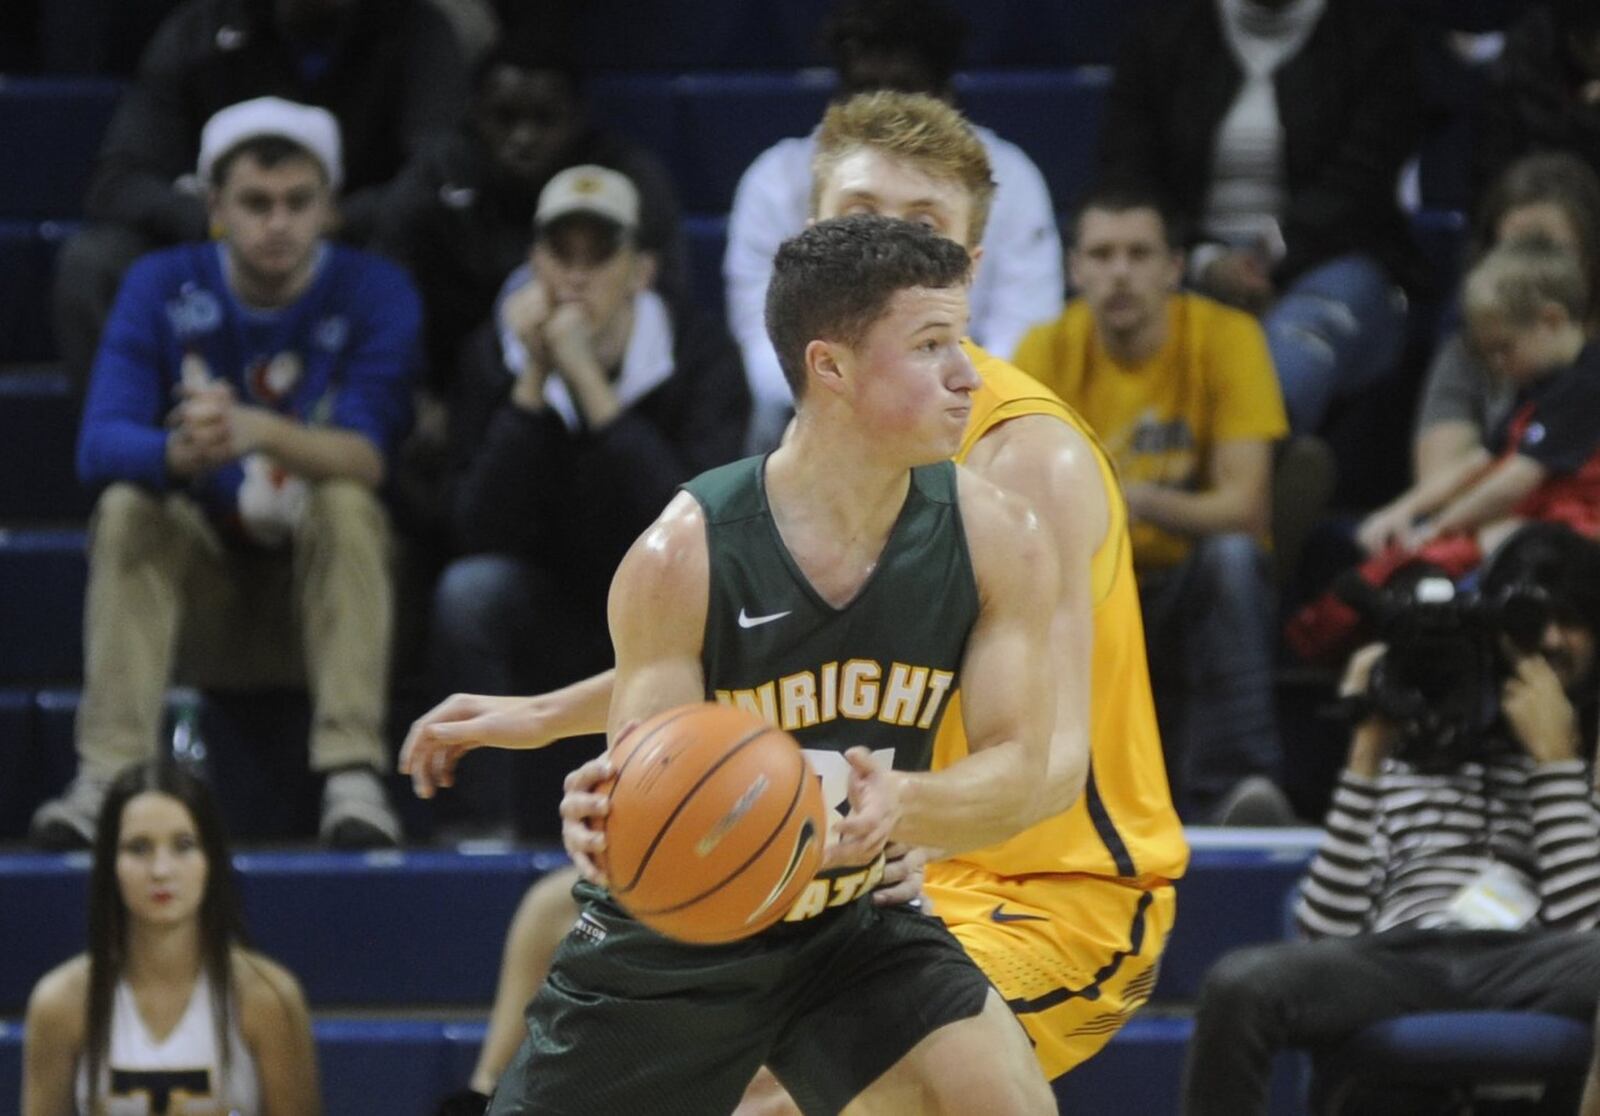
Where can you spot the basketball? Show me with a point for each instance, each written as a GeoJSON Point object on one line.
{"type": "Point", "coordinates": [716, 824]}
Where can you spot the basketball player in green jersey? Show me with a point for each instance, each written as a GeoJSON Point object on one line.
{"type": "Point", "coordinates": [857, 577]}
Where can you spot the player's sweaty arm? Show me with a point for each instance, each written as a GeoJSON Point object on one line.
{"type": "Point", "coordinates": [657, 615]}
{"type": "Point", "coordinates": [1007, 704]}
{"type": "Point", "coordinates": [1054, 469]}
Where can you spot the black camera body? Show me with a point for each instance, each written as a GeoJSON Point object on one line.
{"type": "Point", "coordinates": [1440, 680]}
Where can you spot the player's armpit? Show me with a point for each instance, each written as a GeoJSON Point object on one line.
{"type": "Point", "coordinates": [657, 613]}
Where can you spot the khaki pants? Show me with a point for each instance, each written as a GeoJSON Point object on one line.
{"type": "Point", "coordinates": [163, 587]}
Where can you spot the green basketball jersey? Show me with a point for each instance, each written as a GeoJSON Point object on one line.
{"type": "Point", "coordinates": [876, 672]}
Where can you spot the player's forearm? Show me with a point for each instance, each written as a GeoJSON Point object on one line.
{"type": "Point", "coordinates": [581, 708]}
{"type": "Point", "coordinates": [985, 798]}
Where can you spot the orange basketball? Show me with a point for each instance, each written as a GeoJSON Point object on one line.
{"type": "Point", "coordinates": [716, 824]}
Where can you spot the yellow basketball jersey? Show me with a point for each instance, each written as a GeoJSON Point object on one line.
{"type": "Point", "coordinates": [1123, 825]}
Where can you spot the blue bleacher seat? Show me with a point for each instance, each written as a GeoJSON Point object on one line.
{"type": "Point", "coordinates": [397, 1067]}
{"type": "Point", "coordinates": [42, 578]}
{"type": "Point", "coordinates": [1493, 1051]}
{"type": "Point", "coordinates": [38, 429]}
{"type": "Point", "coordinates": [10, 1062]}
{"type": "Point", "coordinates": [50, 129]}
{"type": "Point", "coordinates": [726, 120]}
{"type": "Point", "coordinates": [1053, 115]}
{"type": "Point", "coordinates": [787, 34]}
{"type": "Point", "coordinates": [383, 929]}
{"type": "Point", "coordinates": [1233, 895]}
{"type": "Point", "coordinates": [17, 755]}
{"type": "Point", "coordinates": [27, 270]}
{"type": "Point", "coordinates": [642, 107]}
{"type": "Point", "coordinates": [708, 239]}
{"type": "Point", "coordinates": [711, 126]}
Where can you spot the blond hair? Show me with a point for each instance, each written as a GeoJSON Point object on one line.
{"type": "Point", "coordinates": [912, 127]}
{"type": "Point", "coordinates": [1519, 279]}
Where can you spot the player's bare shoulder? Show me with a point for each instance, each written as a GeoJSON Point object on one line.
{"type": "Point", "coordinates": [666, 572]}
{"type": "Point", "coordinates": [671, 554]}
{"type": "Point", "coordinates": [1052, 465]}
{"type": "Point", "coordinates": [1005, 535]}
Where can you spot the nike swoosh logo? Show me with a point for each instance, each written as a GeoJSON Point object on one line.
{"type": "Point", "coordinates": [999, 915]}
{"type": "Point", "coordinates": [748, 621]}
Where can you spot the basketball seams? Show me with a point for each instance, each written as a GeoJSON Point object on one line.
{"type": "Point", "coordinates": [778, 829]}
{"type": "Point", "coordinates": [705, 776]}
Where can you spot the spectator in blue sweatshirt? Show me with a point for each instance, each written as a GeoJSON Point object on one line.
{"type": "Point", "coordinates": [240, 415]}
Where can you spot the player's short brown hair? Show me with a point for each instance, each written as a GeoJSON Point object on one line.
{"type": "Point", "coordinates": [1517, 279]}
{"type": "Point", "coordinates": [917, 129]}
{"type": "Point", "coordinates": [836, 279]}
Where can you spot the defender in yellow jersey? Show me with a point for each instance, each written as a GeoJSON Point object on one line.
{"type": "Point", "coordinates": [1069, 918]}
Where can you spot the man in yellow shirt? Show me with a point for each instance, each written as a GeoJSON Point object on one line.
{"type": "Point", "coordinates": [1181, 390]}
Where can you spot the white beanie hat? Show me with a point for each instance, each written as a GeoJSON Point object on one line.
{"type": "Point", "coordinates": [314, 129]}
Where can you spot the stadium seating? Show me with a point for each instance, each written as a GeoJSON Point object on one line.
{"type": "Point", "coordinates": [415, 933]}
{"type": "Point", "coordinates": [27, 268]}
{"type": "Point", "coordinates": [50, 129]}
{"type": "Point", "coordinates": [38, 429]}
{"type": "Point", "coordinates": [1482, 1054]}
{"type": "Point", "coordinates": [42, 577]}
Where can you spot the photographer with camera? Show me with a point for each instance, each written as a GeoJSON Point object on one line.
{"type": "Point", "coordinates": [1460, 868]}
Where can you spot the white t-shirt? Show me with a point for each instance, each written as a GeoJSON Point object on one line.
{"type": "Point", "coordinates": [178, 1076]}
{"type": "Point", "coordinates": [1020, 281]}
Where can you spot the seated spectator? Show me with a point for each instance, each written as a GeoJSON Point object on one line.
{"type": "Point", "coordinates": [592, 402]}
{"type": "Point", "coordinates": [1526, 307]}
{"type": "Point", "coordinates": [1180, 389]}
{"type": "Point", "coordinates": [1457, 867]}
{"type": "Point", "coordinates": [167, 996]}
{"type": "Point", "coordinates": [241, 409]}
{"type": "Point", "coordinates": [1552, 196]}
{"type": "Point", "coordinates": [388, 70]}
{"type": "Point", "coordinates": [911, 46]}
{"type": "Point", "coordinates": [461, 215]}
{"type": "Point", "coordinates": [1277, 129]}
{"type": "Point", "coordinates": [1546, 88]}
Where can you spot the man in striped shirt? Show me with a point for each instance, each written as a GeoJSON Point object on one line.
{"type": "Point", "coordinates": [1471, 888]}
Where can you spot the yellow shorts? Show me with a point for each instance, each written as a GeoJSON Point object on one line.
{"type": "Point", "coordinates": [1073, 956]}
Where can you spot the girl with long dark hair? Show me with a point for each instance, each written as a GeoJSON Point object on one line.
{"type": "Point", "coordinates": [168, 1012]}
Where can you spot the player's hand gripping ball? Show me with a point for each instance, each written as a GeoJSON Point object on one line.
{"type": "Point", "coordinates": [716, 823]}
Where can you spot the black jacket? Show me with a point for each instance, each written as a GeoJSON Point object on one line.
{"type": "Point", "coordinates": [1535, 104]}
{"type": "Point", "coordinates": [1350, 109]}
{"type": "Point", "coordinates": [460, 231]}
{"type": "Point", "coordinates": [394, 79]}
{"type": "Point", "coordinates": [573, 501]}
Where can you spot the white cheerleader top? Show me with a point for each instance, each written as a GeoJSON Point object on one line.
{"type": "Point", "coordinates": [179, 1076]}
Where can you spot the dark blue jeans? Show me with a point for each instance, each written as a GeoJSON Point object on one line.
{"type": "Point", "coordinates": [504, 626]}
{"type": "Point", "coordinates": [1338, 329]}
{"type": "Point", "coordinates": [1209, 625]}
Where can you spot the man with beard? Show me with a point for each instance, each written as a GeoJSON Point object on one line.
{"type": "Point", "coordinates": [1181, 389]}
